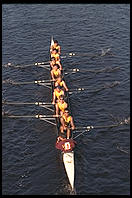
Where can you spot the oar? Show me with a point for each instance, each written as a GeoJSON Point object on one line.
{"type": "Point", "coordinates": [44, 66]}
{"type": "Point", "coordinates": [95, 71]}
{"type": "Point", "coordinates": [71, 54]}
{"type": "Point", "coordinates": [104, 69]}
{"type": "Point", "coordinates": [46, 82]}
{"type": "Point", "coordinates": [71, 91]}
{"type": "Point", "coordinates": [25, 103]}
{"type": "Point", "coordinates": [97, 127]}
{"type": "Point", "coordinates": [46, 118]}
{"type": "Point", "coordinates": [41, 104]}
{"type": "Point", "coordinates": [125, 121]}
{"type": "Point", "coordinates": [113, 84]}
{"type": "Point", "coordinates": [71, 71]}
{"type": "Point", "coordinates": [88, 128]}
{"type": "Point", "coordinates": [28, 65]}
{"type": "Point", "coordinates": [103, 53]}
{"type": "Point", "coordinates": [31, 116]}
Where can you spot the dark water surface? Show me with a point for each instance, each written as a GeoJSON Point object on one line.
{"type": "Point", "coordinates": [30, 163]}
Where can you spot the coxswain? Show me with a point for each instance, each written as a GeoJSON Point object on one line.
{"type": "Point", "coordinates": [56, 46]}
{"type": "Point", "coordinates": [67, 123]}
{"type": "Point", "coordinates": [61, 83]}
{"type": "Point", "coordinates": [65, 145]}
{"type": "Point", "coordinates": [55, 54]}
{"type": "Point", "coordinates": [53, 62]}
{"type": "Point", "coordinates": [55, 72]}
{"type": "Point", "coordinates": [60, 138]}
{"type": "Point", "coordinates": [57, 93]}
{"type": "Point", "coordinates": [60, 106]}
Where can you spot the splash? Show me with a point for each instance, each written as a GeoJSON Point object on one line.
{"type": "Point", "coordinates": [104, 52]}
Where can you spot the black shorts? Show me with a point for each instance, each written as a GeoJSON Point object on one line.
{"type": "Point", "coordinates": [63, 135]}
{"type": "Point", "coordinates": [68, 126]}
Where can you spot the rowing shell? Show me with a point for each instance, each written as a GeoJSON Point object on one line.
{"type": "Point", "coordinates": [68, 157]}
{"type": "Point", "coordinates": [68, 160]}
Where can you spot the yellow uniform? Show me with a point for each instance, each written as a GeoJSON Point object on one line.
{"type": "Point", "coordinates": [61, 84]}
{"type": "Point", "coordinates": [67, 120]}
{"type": "Point", "coordinates": [58, 94]}
{"type": "Point", "coordinates": [56, 47]}
{"type": "Point", "coordinates": [56, 73]}
{"type": "Point", "coordinates": [56, 56]}
{"type": "Point", "coordinates": [62, 106]}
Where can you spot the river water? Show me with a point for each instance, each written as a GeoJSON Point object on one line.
{"type": "Point", "coordinates": [30, 163]}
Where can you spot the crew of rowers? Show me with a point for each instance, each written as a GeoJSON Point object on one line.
{"type": "Point", "coordinates": [59, 94]}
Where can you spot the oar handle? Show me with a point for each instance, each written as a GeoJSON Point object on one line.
{"type": "Point", "coordinates": [86, 127]}
{"type": "Point", "coordinates": [42, 63]}
{"type": "Point", "coordinates": [47, 116]}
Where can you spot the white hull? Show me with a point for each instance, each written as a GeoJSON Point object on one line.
{"type": "Point", "coordinates": [68, 160]}
{"type": "Point", "coordinates": [52, 41]}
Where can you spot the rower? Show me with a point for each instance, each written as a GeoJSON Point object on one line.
{"type": "Point", "coordinates": [55, 54]}
{"type": "Point", "coordinates": [57, 93]}
{"type": "Point", "coordinates": [61, 83]}
{"type": "Point", "coordinates": [66, 122]}
{"type": "Point", "coordinates": [53, 62]}
{"type": "Point", "coordinates": [55, 72]}
{"type": "Point", "coordinates": [56, 46]}
{"type": "Point", "coordinates": [61, 105]}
